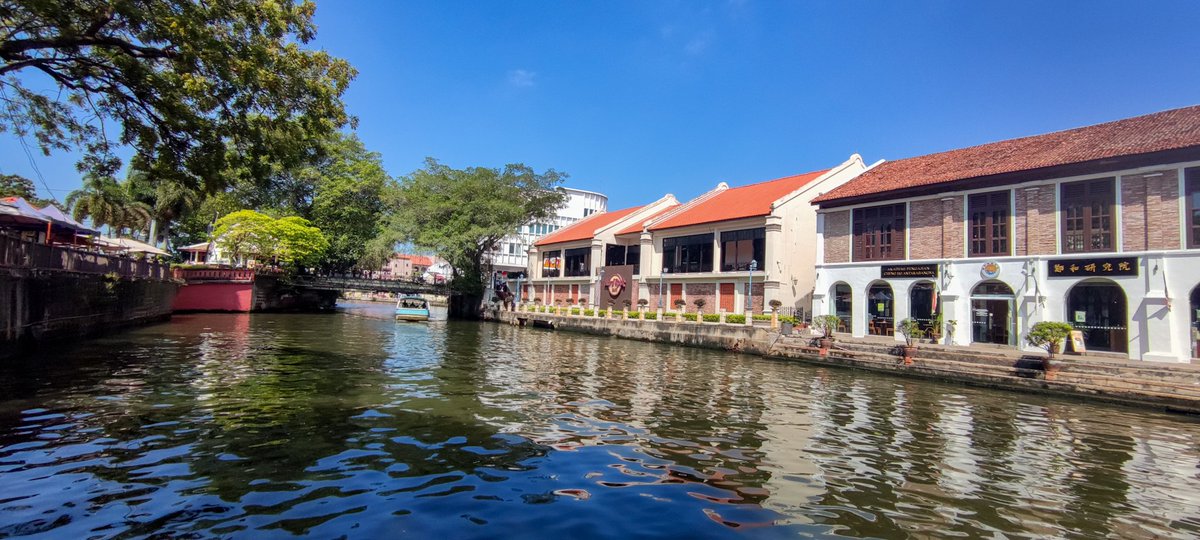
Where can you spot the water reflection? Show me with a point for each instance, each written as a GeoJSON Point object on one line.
{"type": "Point", "coordinates": [351, 424]}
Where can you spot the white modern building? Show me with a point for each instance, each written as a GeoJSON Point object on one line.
{"type": "Point", "coordinates": [512, 254]}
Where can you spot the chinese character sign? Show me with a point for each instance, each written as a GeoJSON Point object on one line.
{"type": "Point", "coordinates": [1108, 266]}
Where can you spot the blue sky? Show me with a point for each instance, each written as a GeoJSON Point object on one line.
{"type": "Point", "coordinates": [637, 99]}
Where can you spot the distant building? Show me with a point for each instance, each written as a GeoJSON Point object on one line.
{"type": "Point", "coordinates": [405, 266]}
{"type": "Point", "coordinates": [512, 253]}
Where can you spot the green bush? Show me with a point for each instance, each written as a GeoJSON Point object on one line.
{"type": "Point", "coordinates": [1049, 335]}
{"type": "Point", "coordinates": [589, 312]}
{"type": "Point", "coordinates": [737, 319]}
{"type": "Point", "coordinates": [712, 317]}
{"type": "Point", "coordinates": [651, 315]}
{"type": "Point", "coordinates": [689, 316]}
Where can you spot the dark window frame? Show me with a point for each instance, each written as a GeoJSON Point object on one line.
{"type": "Point", "coordinates": [758, 248]}
{"type": "Point", "coordinates": [617, 254]}
{"type": "Point", "coordinates": [554, 272]}
{"type": "Point", "coordinates": [1191, 197]}
{"type": "Point", "coordinates": [879, 233]}
{"type": "Point", "coordinates": [577, 262]}
{"type": "Point", "coordinates": [989, 217]}
{"type": "Point", "coordinates": [688, 254]}
{"type": "Point", "coordinates": [1086, 205]}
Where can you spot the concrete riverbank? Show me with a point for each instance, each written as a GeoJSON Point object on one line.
{"type": "Point", "coordinates": [1172, 387]}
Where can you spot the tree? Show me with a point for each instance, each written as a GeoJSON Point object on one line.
{"type": "Point", "coordinates": [348, 201]}
{"type": "Point", "coordinates": [203, 91]}
{"type": "Point", "coordinates": [462, 214]}
{"type": "Point", "coordinates": [289, 241]}
{"type": "Point", "coordinates": [107, 202]}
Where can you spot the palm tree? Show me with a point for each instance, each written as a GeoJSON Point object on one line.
{"type": "Point", "coordinates": [100, 199]}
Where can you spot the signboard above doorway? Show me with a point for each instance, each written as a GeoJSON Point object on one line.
{"type": "Point", "coordinates": [1101, 266]}
{"type": "Point", "coordinates": [908, 271]}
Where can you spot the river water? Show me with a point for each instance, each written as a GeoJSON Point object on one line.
{"type": "Point", "coordinates": [351, 425]}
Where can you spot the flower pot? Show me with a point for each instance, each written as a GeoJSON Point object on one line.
{"type": "Point", "coordinates": [1050, 367]}
{"type": "Point", "coordinates": [909, 351]}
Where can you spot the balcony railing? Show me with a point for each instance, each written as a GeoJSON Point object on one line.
{"type": "Point", "coordinates": [214, 274]}
{"type": "Point", "coordinates": [20, 253]}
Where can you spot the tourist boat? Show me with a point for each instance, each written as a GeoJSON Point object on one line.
{"type": "Point", "coordinates": [412, 308]}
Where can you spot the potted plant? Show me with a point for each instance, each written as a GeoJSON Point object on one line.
{"type": "Point", "coordinates": [775, 305]}
{"type": "Point", "coordinates": [699, 303]}
{"type": "Point", "coordinates": [950, 327]}
{"type": "Point", "coordinates": [642, 303]}
{"type": "Point", "coordinates": [935, 327]}
{"type": "Point", "coordinates": [911, 330]}
{"type": "Point", "coordinates": [826, 324]}
{"type": "Point", "coordinates": [1049, 336]}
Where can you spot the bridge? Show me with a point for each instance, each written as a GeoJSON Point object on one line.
{"type": "Point", "coordinates": [397, 286]}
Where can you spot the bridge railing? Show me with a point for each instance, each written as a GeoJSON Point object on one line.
{"type": "Point", "coordinates": [214, 274]}
{"type": "Point", "coordinates": [20, 253]}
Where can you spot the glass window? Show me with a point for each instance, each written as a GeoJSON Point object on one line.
{"type": "Point", "coordinates": [1191, 191]}
{"type": "Point", "coordinates": [989, 223]}
{"type": "Point", "coordinates": [879, 233]}
{"type": "Point", "coordinates": [577, 262]}
{"type": "Point", "coordinates": [738, 248]}
{"type": "Point", "coordinates": [551, 263]}
{"type": "Point", "coordinates": [1098, 310]}
{"type": "Point", "coordinates": [843, 304]}
{"type": "Point", "coordinates": [880, 321]}
{"type": "Point", "coordinates": [1087, 214]}
{"type": "Point", "coordinates": [684, 254]}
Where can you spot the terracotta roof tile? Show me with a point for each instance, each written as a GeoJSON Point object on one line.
{"type": "Point", "coordinates": [585, 228]}
{"type": "Point", "coordinates": [1166, 130]}
{"type": "Point", "coordinates": [736, 203]}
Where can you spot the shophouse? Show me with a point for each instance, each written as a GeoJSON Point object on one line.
{"type": "Point", "coordinates": [735, 247]}
{"type": "Point", "coordinates": [568, 264]}
{"type": "Point", "coordinates": [1097, 226]}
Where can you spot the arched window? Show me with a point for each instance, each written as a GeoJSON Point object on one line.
{"type": "Point", "coordinates": [923, 305]}
{"type": "Point", "coordinates": [843, 305]}
{"type": "Point", "coordinates": [1195, 311]}
{"type": "Point", "coordinates": [992, 310]}
{"type": "Point", "coordinates": [1097, 308]}
{"type": "Point", "coordinates": [880, 319]}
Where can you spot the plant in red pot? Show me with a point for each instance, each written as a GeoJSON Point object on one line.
{"type": "Point", "coordinates": [1050, 336]}
{"type": "Point", "coordinates": [911, 330]}
{"type": "Point", "coordinates": [826, 324]}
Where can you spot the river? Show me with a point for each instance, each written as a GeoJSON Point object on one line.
{"type": "Point", "coordinates": [352, 425]}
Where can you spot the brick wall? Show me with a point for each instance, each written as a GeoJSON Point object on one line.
{"type": "Point", "coordinates": [1036, 221]}
{"type": "Point", "coordinates": [561, 293]}
{"type": "Point", "coordinates": [925, 229]}
{"type": "Point", "coordinates": [837, 236]}
{"type": "Point", "coordinates": [707, 291]}
{"type": "Point", "coordinates": [1150, 211]}
{"type": "Point", "coordinates": [953, 243]}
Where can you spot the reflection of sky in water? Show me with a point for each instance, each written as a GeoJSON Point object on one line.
{"type": "Point", "coordinates": [353, 424]}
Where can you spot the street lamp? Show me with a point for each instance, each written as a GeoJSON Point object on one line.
{"type": "Point", "coordinates": [599, 288]}
{"type": "Point", "coordinates": [750, 290]}
{"type": "Point", "coordinates": [660, 286]}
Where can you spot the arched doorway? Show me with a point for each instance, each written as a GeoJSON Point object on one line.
{"type": "Point", "coordinates": [992, 309]}
{"type": "Point", "coordinates": [1097, 308]}
{"type": "Point", "coordinates": [880, 319]}
{"type": "Point", "coordinates": [922, 305]}
{"type": "Point", "coordinates": [843, 305]}
{"type": "Point", "coordinates": [1195, 311]}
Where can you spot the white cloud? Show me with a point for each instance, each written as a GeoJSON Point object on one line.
{"type": "Point", "coordinates": [522, 78]}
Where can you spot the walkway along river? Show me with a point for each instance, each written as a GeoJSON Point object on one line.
{"type": "Point", "coordinates": [351, 424]}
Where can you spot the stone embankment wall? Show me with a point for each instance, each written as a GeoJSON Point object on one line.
{"type": "Point", "coordinates": [1170, 386]}
{"type": "Point", "coordinates": [39, 306]}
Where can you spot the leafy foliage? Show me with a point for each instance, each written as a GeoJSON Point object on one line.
{"type": "Point", "coordinates": [288, 241]}
{"type": "Point", "coordinates": [827, 324]}
{"type": "Point", "coordinates": [107, 202]}
{"type": "Point", "coordinates": [198, 88]}
{"type": "Point", "coordinates": [462, 214]}
{"type": "Point", "coordinates": [910, 329]}
{"type": "Point", "coordinates": [15, 185]}
{"type": "Point", "coordinates": [1049, 335]}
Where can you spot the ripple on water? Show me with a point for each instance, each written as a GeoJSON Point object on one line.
{"type": "Point", "coordinates": [352, 425]}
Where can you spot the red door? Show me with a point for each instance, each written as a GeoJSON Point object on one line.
{"type": "Point", "coordinates": [676, 294]}
{"type": "Point", "coordinates": [727, 290]}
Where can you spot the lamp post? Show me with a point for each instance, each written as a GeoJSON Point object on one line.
{"type": "Point", "coordinates": [750, 289]}
{"type": "Point", "coordinates": [599, 289]}
{"type": "Point", "coordinates": [660, 286]}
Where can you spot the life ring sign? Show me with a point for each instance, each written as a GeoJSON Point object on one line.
{"type": "Point", "coordinates": [615, 285]}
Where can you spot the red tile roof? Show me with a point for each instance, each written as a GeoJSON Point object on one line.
{"type": "Point", "coordinates": [585, 228]}
{"type": "Point", "coordinates": [1167, 130]}
{"type": "Point", "coordinates": [736, 203]}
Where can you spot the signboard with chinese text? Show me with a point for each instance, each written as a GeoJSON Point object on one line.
{"type": "Point", "coordinates": [1107, 266]}
{"type": "Point", "coordinates": [908, 271]}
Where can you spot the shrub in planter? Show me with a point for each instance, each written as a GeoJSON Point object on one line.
{"type": "Point", "coordinates": [775, 305]}
{"type": "Point", "coordinates": [713, 317]}
{"type": "Point", "coordinates": [537, 300]}
{"type": "Point", "coordinates": [736, 319]}
{"type": "Point", "coordinates": [826, 324]}
{"type": "Point", "coordinates": [679, 303]}
{"type": "Point", "coordinates": [911, 330]}
{"type": "Point", "coordinates": [1050, 336]}
{"type": "Point", "coordinates": [642, 303]}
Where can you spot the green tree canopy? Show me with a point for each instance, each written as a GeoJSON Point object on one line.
{"type": "Point", "coordinates": [462, 214]}
{"type": "Point", "coordinates": [290, 241]}
{"type": "Point", "coordinates": [107, 202]}
{"type": "Point", "coordinates": [15, 185]}
{"type": "Point", "coordinates": [202, 90]}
